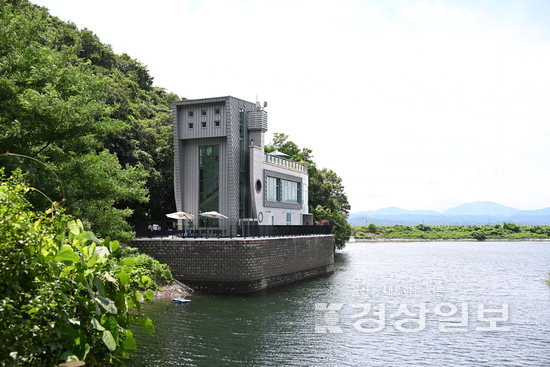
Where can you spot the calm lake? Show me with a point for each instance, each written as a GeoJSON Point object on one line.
{"type": "Point", "coordinates": [387, 304]}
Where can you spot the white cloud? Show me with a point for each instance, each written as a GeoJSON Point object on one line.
{"type": "Point", "coordinates": [418, 106]}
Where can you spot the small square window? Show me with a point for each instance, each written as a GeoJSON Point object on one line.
{"type": "Point", "coordinates": [203, 123]}
{"type": "Point", "coordinates": [217, 111]}
{"type": "Point", "coordinates": [217, 123]}
{"type": "Point", "coordinates": [190, 113]}
{"type": "Point", "coordinates": [203, 112]}
{"type": "Point", "coordinates": [190, 125]}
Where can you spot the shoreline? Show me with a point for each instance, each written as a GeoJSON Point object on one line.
{"type": "Point", "coordinates": [173, 290]}
{"type": "Point", "coordinates": [448, 240]}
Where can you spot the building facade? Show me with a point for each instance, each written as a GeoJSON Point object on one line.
{"type": "Point", "coordinates": [220, 165]}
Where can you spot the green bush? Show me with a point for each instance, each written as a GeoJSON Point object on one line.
{"type": "Point", "coordinates": [371, 228]}
{"type": "Point", "coordinates": [145, 265]}
{"type": "Point", "coordinates": [63, 296]}
{"type": "Point", "coordinates": [479, 235]}
{"type": "Point", "coordinates": [511, 227]}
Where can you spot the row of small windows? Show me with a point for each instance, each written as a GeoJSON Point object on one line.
{"type": "Point", "coordinates": [203, 124]}
{"type": "Point", "coordinates": [203, 112]}
{"type": "Point", "coordinates": [283, 190]}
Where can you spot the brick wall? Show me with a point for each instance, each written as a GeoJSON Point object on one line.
{"type": "Point", "coordinates": [238, 266]}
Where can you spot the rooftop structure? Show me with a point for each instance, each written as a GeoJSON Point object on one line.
{"type": "Point", "coordinates": [220, 165]}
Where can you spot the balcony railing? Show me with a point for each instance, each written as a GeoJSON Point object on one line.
{"type": "Point", "coordinates": [285, 163]}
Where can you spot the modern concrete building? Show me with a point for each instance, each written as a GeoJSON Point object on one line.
{"type": "Point", "coordinates": [220, 165]}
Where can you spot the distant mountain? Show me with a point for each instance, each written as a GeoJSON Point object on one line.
{"type": "Point", "coordinates": [481, 208]}
{"type": "Point", "coordinates": [481, 212]}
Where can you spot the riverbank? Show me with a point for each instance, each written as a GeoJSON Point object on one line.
{"type": "Point", "coordinates": [173, 290]}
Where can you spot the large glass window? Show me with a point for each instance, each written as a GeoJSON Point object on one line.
{"type": "Point", "coordinates": [272, 189]}
{"type": "Point", "coordinates": [285, 191]}
{"type": "Point", "coordinates": [209, 186]}
{"type": "Point", "coordinates": [289, 191]}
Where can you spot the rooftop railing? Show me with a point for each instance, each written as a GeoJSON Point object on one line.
{"type": "Point", "coordinates": [285, 163]}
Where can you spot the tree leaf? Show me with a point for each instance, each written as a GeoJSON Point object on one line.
{"type": "Point", "coordinates": [113, 246]}
{"type": "Point", "coordinates": [146, 281]}
{"type": "Point", "coordinates": [107, 304]}
{"type": "Point", "coordinates": [97, 325]}
{"type": "Point", "coordinates": [149, 295]}
{"type": "Point", "coordinates": [123, 277]}
{"type": "Point", "coordinates": [67, 254]}
{"type": "Point", "coordinates": [102, 251]}
{"type": "Point", "coordinates": [128, 261]}
{"type": "Point", "coordinates": [148, 325]}
{"type": "Point", "coordinates": [109, 340]}
{"type": "Point", "coordinates": [73, 227]}
{"type": "Point", "coordinates": [129, 343]}
{"type": "Point", "coordinates": [99, 286]}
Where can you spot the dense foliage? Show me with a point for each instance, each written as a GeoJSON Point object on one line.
{"type": "Point", "coordinates": [422, 231]}
{"type": "Point", "coordinates": [91, 115]}
{"type": "Point", "coordinates": [145, 265]}
{"type": "Point", "coordinates": [63, 295]}
{"type": "Point", "coordinates": [327, 199]}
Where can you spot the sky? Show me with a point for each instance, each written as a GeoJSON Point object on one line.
{"type": "Point", "coordinates": [415, 104]}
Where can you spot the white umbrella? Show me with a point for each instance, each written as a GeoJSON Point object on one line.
{"type": "Point", "coordinates": [213, 215]}
{"type": "Point", "coordinates": [180, 215]}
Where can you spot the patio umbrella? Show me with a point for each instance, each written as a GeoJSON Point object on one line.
{"type": "Point", "coordinates": [213, 215]}
{"type": "Point", "coordinates": [180, 215]}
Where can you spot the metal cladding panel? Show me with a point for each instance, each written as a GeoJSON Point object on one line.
{"type": "Point", "coordinates": [191, 177]}
{"type": "Point", "coordinates": [204, 122]}
{"type": "Point", "coordinates": [257, 120]}
{"type": "Point", "coordinates": [177, 160]}
{"type": "Point", "coordinates": [233, 159]}
{"type": "Point", "coordinates": [234, 106]}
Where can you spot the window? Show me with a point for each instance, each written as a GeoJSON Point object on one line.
{"type": "Point", "coordinates": [209, 185]}
{"type": "Point", "coordinates": [273, 189]}
{"type": "Point", "coordinates": [190, 125]}
{"type": "Point", "coordinates": [217, 123]}
{"type": "Point", "coordinates": [217, 111]}
{"type": "Point", "coordinates": [283, 191]}
{"type": "Point", "coordinates": [203, 112]}
{"type": "Point", "coordinates": [190, 113]}
{"type": "Point", "coordinates": [258, 185]}
{"type": "Point", "coordinates": [203, 123]}
{"type": "Point", "coordinates": [288, 219]}
{"type": "Point", "coordinates": [289, 191]}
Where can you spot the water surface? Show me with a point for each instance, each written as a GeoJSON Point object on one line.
{"type": "Point", "coordinates": [278, 327]}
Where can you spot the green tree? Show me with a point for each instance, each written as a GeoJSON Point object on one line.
{"type": "Point", "coordinates": [63, 296]}
{"type": "Point", "coordinates": [67, 99]}
{"type": "Point", "coordinates": [327, 199]}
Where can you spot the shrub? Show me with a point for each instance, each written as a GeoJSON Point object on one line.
{"type": "Point", "coordinates": [423, 227]}
{"type": "Point", "coordinates": [479, 235]}
{"type": "Point", "coordinates": [145, 265]}
{"type": "Point", "coordinates": [371, 228]}
{"type": "Point", "coordinates": [511, 227]}
{"type": "Point", "coordinates": [63, 296]}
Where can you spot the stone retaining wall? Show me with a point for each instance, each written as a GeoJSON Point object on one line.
{"type": "Point", "coordinates": [242, 265]}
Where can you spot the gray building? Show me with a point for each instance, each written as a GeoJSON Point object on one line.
{"type": "Point", "coordinates": [220, 165]}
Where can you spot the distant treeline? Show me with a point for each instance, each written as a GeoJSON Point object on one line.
{"type": "Point", "coordinates": [422, 231]}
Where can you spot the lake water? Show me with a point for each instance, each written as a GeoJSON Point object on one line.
{"type": "Point", "coordinates": [282, 327]}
